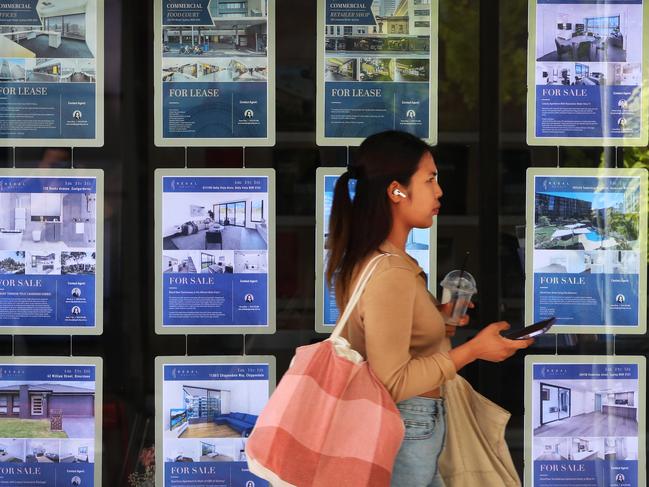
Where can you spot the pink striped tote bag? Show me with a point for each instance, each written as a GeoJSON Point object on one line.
{"type": "Point", "coordinates": [330, 422]}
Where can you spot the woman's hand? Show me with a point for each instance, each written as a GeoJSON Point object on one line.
{"type": "Point", "coordinates": [446, 310]}
{"type": "Point", "coordinates": [490, 345]}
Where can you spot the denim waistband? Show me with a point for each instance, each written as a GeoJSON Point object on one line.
{"type": "Point", "coordinates": [432, 405]}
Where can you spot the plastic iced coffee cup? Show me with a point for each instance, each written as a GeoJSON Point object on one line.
{"type": "Point", "coordinates": [459, 291]}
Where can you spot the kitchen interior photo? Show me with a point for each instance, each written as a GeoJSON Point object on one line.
{"type": "Point", "coordinates": [585, 408]}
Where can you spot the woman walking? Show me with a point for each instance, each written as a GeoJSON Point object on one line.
{"type": "Point", "coordinates": [397, 325]}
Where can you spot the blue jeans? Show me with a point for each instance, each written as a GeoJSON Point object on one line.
{"type": "Point", "coordinates": [416, 463]}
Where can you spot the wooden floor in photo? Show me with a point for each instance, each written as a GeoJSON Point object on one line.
{"type": "Point", "coordinates": [589, 425]}
{"type": "Point", "coordinates": [210, 430]}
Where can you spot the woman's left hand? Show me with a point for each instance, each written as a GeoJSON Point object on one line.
{"type": "Point", "coordinates": [446, 309]}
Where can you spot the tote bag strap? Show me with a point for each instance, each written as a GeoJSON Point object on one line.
{"type": "Point", "coordinates": [356, 295]}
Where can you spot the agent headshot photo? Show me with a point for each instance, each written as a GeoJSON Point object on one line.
{"type": "Point", "coordinates": [248, 298]}
{"type": "Point", "coordinates": [76, 292]}
{"type": "Point", "coordinates": [76, 311]}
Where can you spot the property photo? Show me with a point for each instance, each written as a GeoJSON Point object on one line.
{"type": "Point", "coordinates": [42, 451]}
{"type": "Point", "coordinates": [226, 38]}
{"type": "Point", "coordinates": [221, 221]}
{"type": "Point", "coordinates": [43, 263]}
{"type": "Point", "coordinates": [217, 262]}
{"type": "Point", "coordinates": [77, 451]}
{"type": "Point", "coordinates": [394, 27]}
{"type": "Point", "coordinates": [341, 69]}
{"type": "Point", "coordinates": [240, 9]}
{"type": "Point", "coordinates": [47, 410]}
{"type": "Point", "coordinates": [78, 71]}
{"type": "Point", "coordinates": [585, 408]}
{"type": "Point", "coordinates": [573, 74]}
{"type": "Point", "coordinates": [12, 70]}
{"type": "Point", "coordinates": [412, 70]}
{"type": "Point", "coordinates": [12, 450]}
{"type": "Point", "coordinates": [578, 32]}
{"type": "Point", "coordinates": [43, 70]}
{"type": "Point", "coordinates": [184, 451]}
{"type": "Point", "coordinates": [250, 262]}
{"type": "Point", "coordinates": [31, 221]}
{"type": "Point", "coordinates": [12, 262]}
{"type": "Point", "coordinates": [587, 221]}
{"type": "Point", "coordinates": [248, 69]}
{"type": "Point", "coordinates": [551, 449]}
{"type": "Point", "coordinates": [376, 69]}
{"type": "Point", "coordinates": [65, 31]}
{"type": "Point", "coordinates": [180, 262]}
{"type": "Point", "coordinates": [78, 263]}
{"type": "Point", "coordinates": [582, 262]}
{"type": "Point", "coordinates": [212, 409]}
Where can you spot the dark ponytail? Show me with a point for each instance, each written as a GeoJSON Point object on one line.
{"type": "Point", "coordinates": [358, 227]}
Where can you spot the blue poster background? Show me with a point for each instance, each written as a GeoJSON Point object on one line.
{"type": "Point", "coordinates": [58, 110]}
{"type": "Point", "coordinates": [188, 113]}
{"type": "Point", "coordinates": [586, 473]}
{"type": "Point", "coordinates": [227, 474]}
{"type": "Point", "coordinates": [222, 296]}
{"type": "Point", "coordinates": [588, 298]}
{"type": "Point", "coordinates": [48, 299]}
{"type": "Point", "coordinates": [360, 109]}
{"type": "Point", "coordinates": [37, 473]}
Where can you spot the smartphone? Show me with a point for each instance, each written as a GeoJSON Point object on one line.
{"type": "Point", "coordinates": [536, 329]}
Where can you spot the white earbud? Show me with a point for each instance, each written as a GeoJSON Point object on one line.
{"type": "Point", "coordinates": [398, 192]}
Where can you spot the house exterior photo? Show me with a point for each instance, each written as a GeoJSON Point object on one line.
{"type": "Point", "coordinates": [28, 401]}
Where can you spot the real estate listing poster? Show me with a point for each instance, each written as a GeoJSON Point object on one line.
{"type": "Point", "coordinates": [50, 421]}
{"type": "Point", "coordinates": [215, 251]}
{"type": "Point", "coordinates": [51, 73]}
{"type": "Point", "coordinates": [585, 421]}
{"type": "Point", "coordinates": [586, 246]}
{"type": "Point", "coordinates": [206, 408]}
{"type": "Point", "coordinates": [214, 73]}
{"type": "Point", "coordinates": [377, 69]}
{"type": "Point", "coordinates": [421, 245]}
{"type": "Point", "coordinates": [51, 251]}
{"type": "Point", "coordinates": [587, 60]}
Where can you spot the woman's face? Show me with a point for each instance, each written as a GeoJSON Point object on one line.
{"type": "Point", "coordinates": [424, 193]}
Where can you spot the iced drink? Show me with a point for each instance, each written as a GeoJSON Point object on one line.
{"type": "Point", "coordinates": [458, 288]}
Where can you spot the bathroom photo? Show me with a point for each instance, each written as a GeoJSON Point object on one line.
{"type": "Point", "coordinates": [620, 448]}
{"type": "Point", "coordinates": [33, 221]}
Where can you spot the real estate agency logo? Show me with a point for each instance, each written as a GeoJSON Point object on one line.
{"type": "Point", "coordinates": [183, 372]}
{"type": "Point", "coordinates": [551, 371]}
{"type": "Point", "coordinates": [9, 373]}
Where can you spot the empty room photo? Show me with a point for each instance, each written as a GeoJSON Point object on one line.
{"type": "Point", "coordinates": [207, 221]}
{"type": "Point", "coordinates": [212, 409]}
{"type": "Point", "coordinates": [591, 33]}
{"type": "Point", "coordinates": [64, 31]}
{"type": "Point", "coordinates": [585, 408]}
